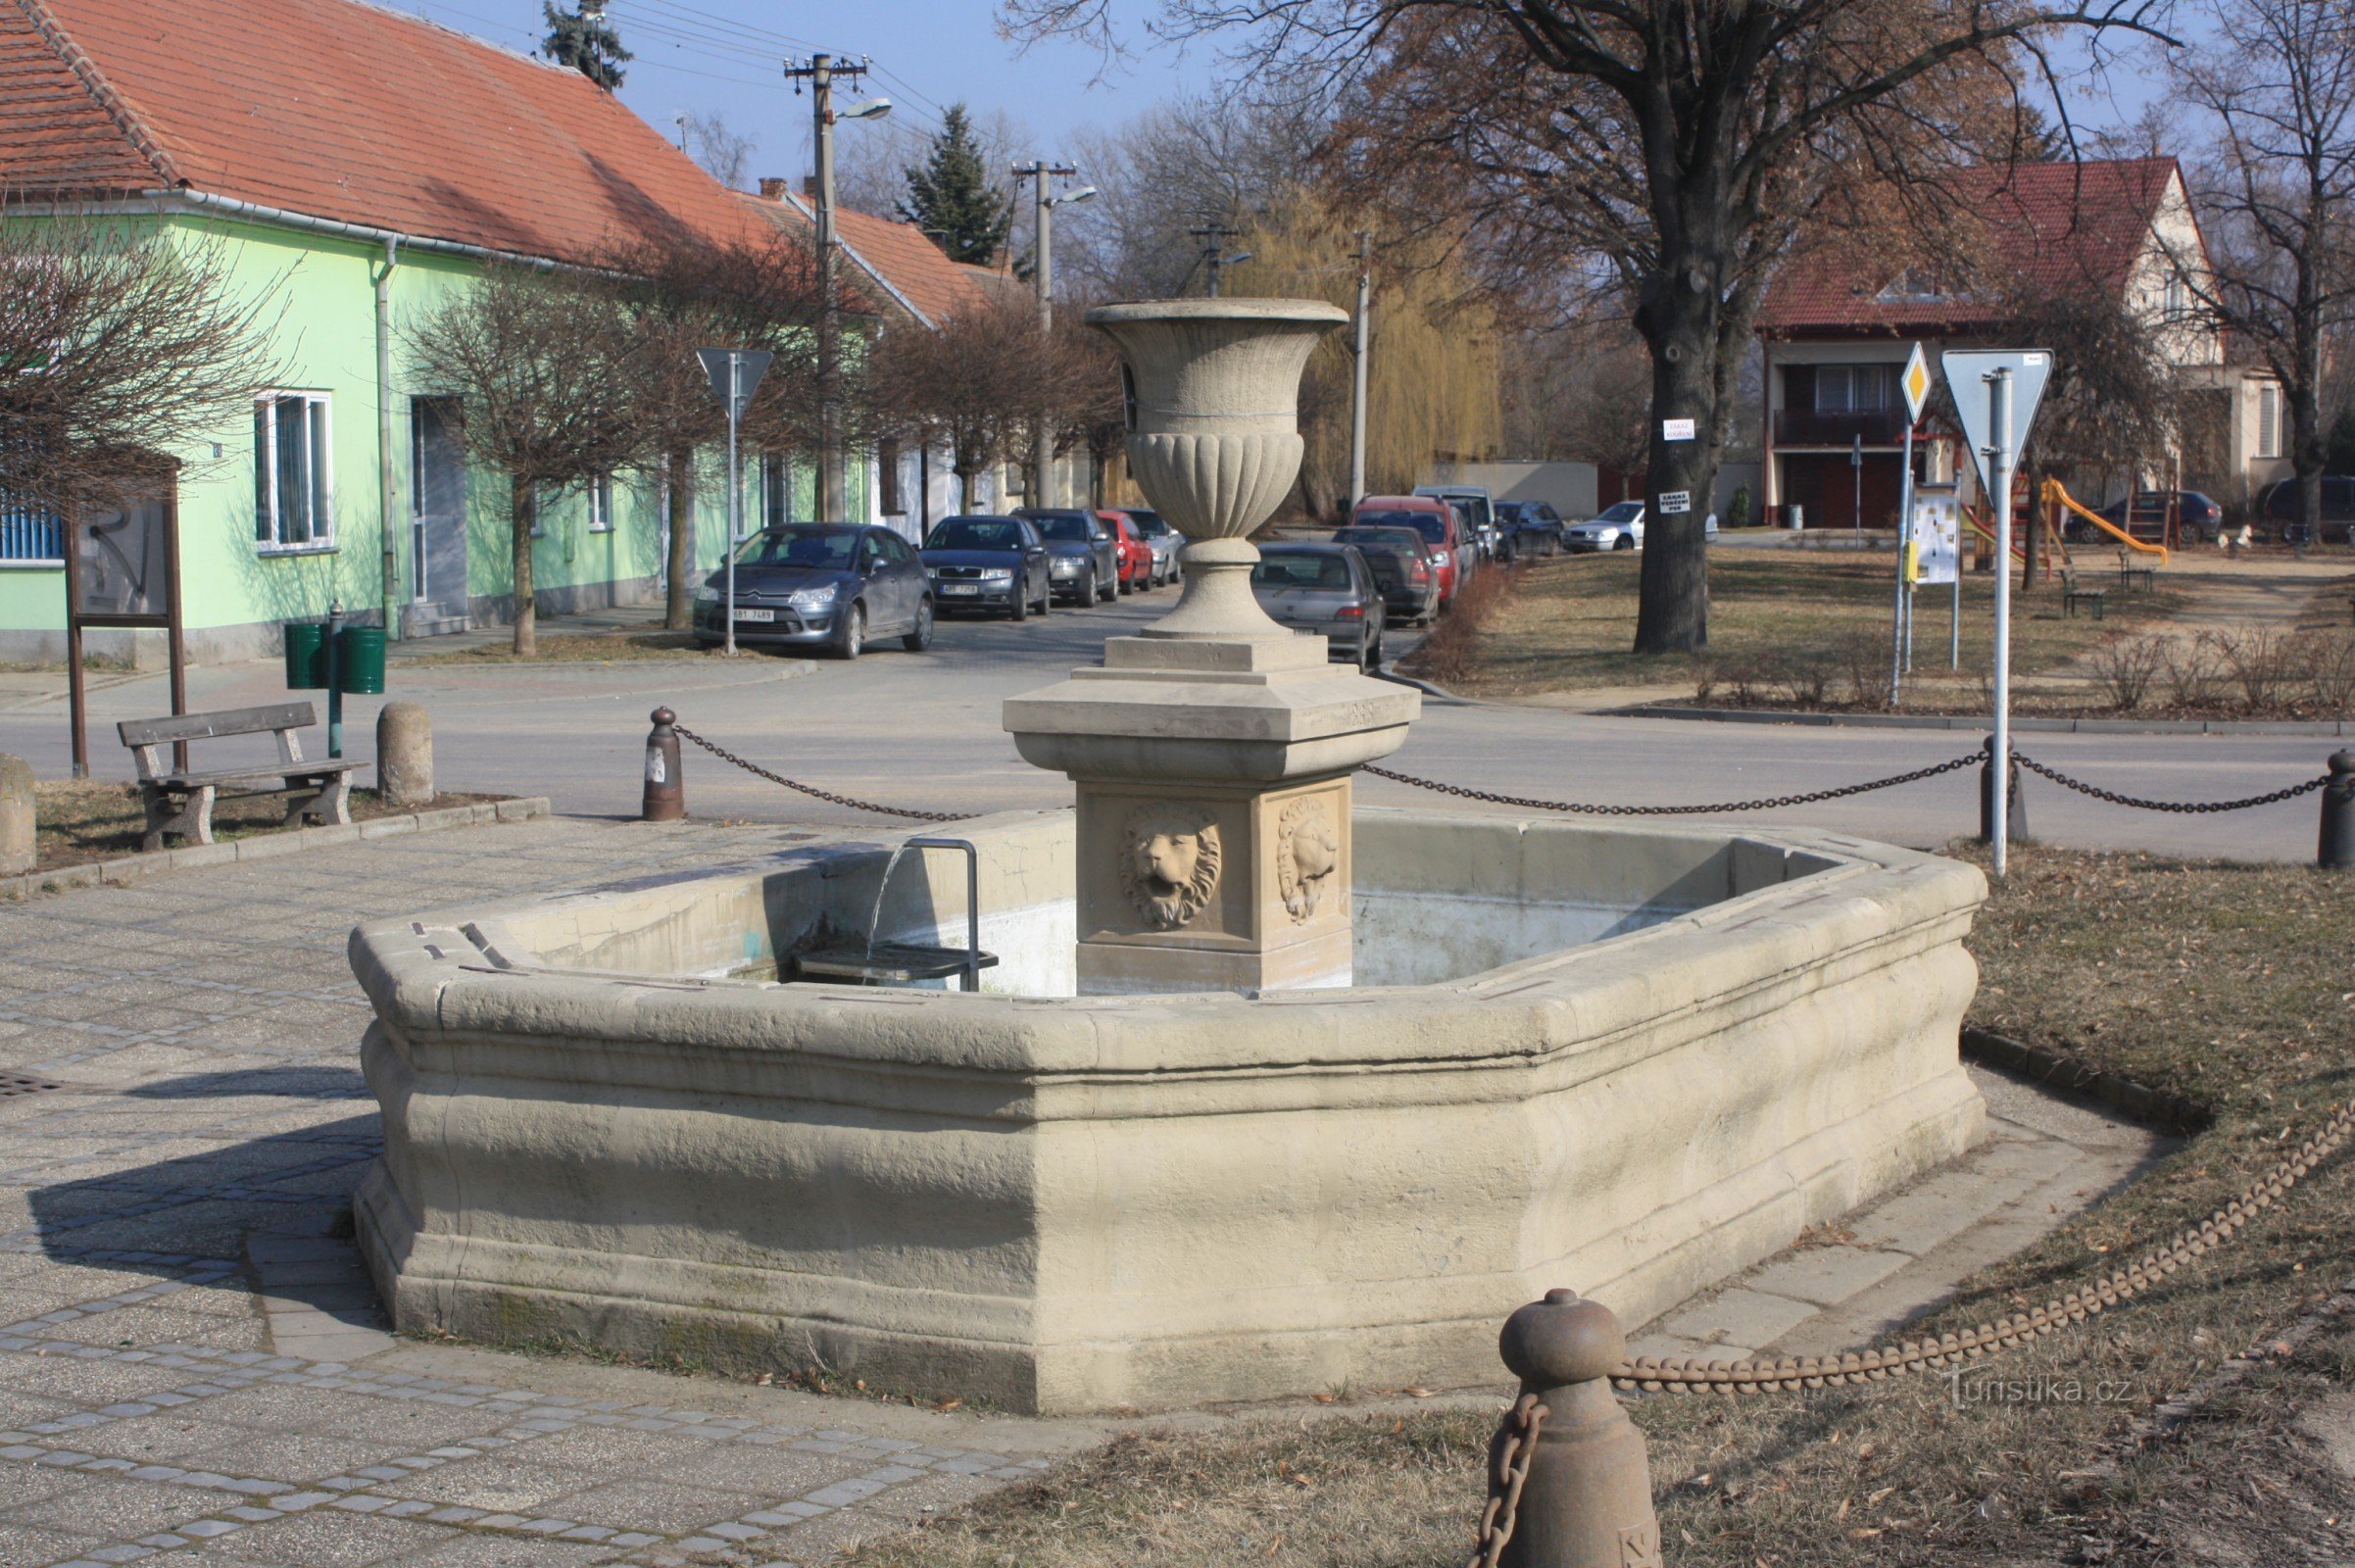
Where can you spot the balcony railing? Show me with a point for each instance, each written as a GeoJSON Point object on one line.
{"type": "Point", "coordinates": [1811, 428]}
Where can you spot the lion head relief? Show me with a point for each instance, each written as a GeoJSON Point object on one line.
{"type": "Point", "coordinates": [1170, 863]}
{"type": "Point", "coordinates": [1308, 855]}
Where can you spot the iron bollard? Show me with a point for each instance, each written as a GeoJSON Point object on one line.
{"type": "Point", "coordinates": [2337, 844]}
{"type": "Point", "coordinates": [666, 791]}
{"type": "Point", "coordinates": [2015, 826]}
{"type": "Point", "coordinates": [1569, 1480]}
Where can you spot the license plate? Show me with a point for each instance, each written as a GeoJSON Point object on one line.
{"type": "Point", "coordinates": [755, 615]}
{"type": "Point", "coordinates": [964, 588]}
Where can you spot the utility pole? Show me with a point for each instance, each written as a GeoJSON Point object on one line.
{"type": "Point", "coordinates": [822, 72]}
{"type": "Point", "coordinates": [1041, 177]}
{"type": "Point", "coordinates": [1366, 308]}
{"type": "Point", "coordinates": [1214, 237]}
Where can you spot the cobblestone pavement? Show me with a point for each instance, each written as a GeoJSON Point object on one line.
{"type": "Point", "coordinates": [191, 1368]}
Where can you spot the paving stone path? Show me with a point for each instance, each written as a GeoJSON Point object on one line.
{"type": "Point", "coordinates": [191, 1364]}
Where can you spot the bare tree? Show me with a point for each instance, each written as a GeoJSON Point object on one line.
{"type": "Point", "coordinates": [1669, 145]}
{"type": "Point", "coordinates": [125, 352]}
{"type": "Point", "coordinates": [966, 384]}
{"type": "Point", "coordinates": [725, 154]}
{"type": "Point", "coordinates": [549, 371]}
{"type": "Point", "coordinates": [677, 299]}
{"type": "Point", "coordinates": [2278, 83]}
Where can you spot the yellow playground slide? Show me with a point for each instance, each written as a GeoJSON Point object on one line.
{"type": "Point", "coordinates": [2054, 491]}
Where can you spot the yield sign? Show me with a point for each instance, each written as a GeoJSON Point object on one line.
{"type": "Point", "coordinates": [1967, 373]}
{"type": "Point", "coordinates": [1916, 385]}
{"type": "Point", "coordinates": [751, 365]}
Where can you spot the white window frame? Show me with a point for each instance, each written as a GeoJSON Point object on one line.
{"type": "Point", "coordinates": [318, 438]}
{"type": "Point", "coordinates": [601, 504]}
{"type": "Point", "coordinates": [35, 562]}
{"type": "Point", "coordinates": [2269, 419]}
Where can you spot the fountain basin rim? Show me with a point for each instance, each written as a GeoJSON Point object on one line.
{"type": "Point", "coordinates": [1307, 312]}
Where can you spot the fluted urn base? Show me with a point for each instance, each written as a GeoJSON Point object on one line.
{"type": "Point", "coordinates": [1214, 807]}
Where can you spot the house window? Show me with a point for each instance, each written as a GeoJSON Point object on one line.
{"type": "Point", "coordinates": [292, 481]}
{"type": "Point", "coordinates": [29, 535]}
{"type": "Point", "coordinates": [887, 473]}
{"type": "Point", "coordinates": [2268, 421]}
{"type": "Point", "coordinates": [1853, 388]}
{"type": "Point", "coordinates": [2175, 300]}
{"type": "Point", "coordinates": [777, 490]}
{"type": "Point", "coordinates": [601, 504]}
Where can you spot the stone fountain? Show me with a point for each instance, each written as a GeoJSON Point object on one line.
{"type": "Point", "coordinates": [1212, 752]}
{"type": "Point", "coordinates": [1271, 1093]}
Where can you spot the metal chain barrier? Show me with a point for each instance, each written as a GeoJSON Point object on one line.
{"type": "Point", "coordinates": [1681, 1375]}
{"type": "Point", "coordinates": [2192, 807]}
{"type": "Point", "coordinates": [1774, 803]}
{"type": "Point", "coordinates": [1515, 1446]}
{"type": "Point", "coordinates": [755, 769]}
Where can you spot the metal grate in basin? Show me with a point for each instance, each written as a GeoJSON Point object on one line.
{"type": "Point", "coordinates": [13, 1083]}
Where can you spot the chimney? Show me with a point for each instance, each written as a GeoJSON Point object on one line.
{"type": "Point", "coordinates": [809, 187]}
{"type": "Point", "coordinates": [774, 188]}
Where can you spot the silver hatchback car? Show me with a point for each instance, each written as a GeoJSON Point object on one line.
{"type": "Point", "coordinates": [1323, 588]}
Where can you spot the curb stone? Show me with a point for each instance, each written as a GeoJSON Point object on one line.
{"type": "Point", "coordinates": [1961, 721]}
{"type": "Point", "coordinates": [268, 847]}
{"type": "Point", "coordinates": [2052, 1070]}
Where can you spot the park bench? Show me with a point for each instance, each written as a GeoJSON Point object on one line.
{"type": "Point", "coordinates": [181, 802]}
{"type": "Point", "coordinates": [2130, 575]}
{"type": "Point", "coordinates": [2071, 593]}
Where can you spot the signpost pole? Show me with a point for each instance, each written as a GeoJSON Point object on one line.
{"type": "Point", "coordinates": [1900, 632]}
{"type": "Point", "coordinates": [735, 491]}
{"type": "Point", "coordinates": [1999, 481]}
{"type": "Point", "coordinates": [1954, 620]}
{"type": "Point", "coordinates": [76, 695]}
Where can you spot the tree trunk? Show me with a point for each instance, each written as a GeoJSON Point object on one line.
{"type": "Point", "coordinates": [679, 604]}
{"type": "Point", "coordinates": [1679, 323]}
{"type": "Point", "coordinates": [523, 505]}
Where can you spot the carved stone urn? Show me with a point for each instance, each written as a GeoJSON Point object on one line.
{"type": "Point", "coordinates": [1212, 752]}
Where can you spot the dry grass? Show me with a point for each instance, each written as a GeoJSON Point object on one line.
{"type": "Point", "coordinates": [1568, 623]}
{"type": "Point", "coordinates": [2230, 983]}
{"type": "Point", "coordinates": [576, 647]}
{"type": "Point", "coordinates": [76, 821]}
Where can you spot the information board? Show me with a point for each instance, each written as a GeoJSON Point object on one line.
{"type": "Point", "coordinates": [1936, 537]}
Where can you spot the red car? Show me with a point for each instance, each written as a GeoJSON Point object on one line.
{"type": "Point", "coordinates": [1437, 521]}
{"type": "Point", "coordinates": [1134, 555]}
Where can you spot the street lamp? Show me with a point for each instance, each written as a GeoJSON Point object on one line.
{"type": "Point", "coordinates": [872, 108]}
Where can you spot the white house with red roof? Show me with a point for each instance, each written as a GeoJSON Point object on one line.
{"type": "Point", "coordinates": [1836, 330]}
{"type": "Point", "coordinates": [362, 162]}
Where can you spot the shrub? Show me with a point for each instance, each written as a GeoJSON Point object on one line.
{"type": "Point", "coordinates": [1866, 657]}
{"type": "Point", "coordinates": [2259, 662]}
{"type": "Point", "coordinates": [1737, 510]}
{"type": "Point", "coordinates": [2328, 660]}
{"type": "Point", "coordinates": [1446, 654]}
{"type": "Point", "coordinates": [2127, 666]}
{"type": "Point", "coordinates": [1807, 676]}
{"type": "Point", "coordinates": [2192, 667]}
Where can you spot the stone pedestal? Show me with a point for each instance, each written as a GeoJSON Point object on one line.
{"type": "Point", "coordinates": [1214, 797]}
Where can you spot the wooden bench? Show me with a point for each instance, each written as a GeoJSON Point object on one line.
{"type": "Point", "coordinates": [2071, 594]}
{"type": "Point", "coordinates": [182, 802]}
{"type": "Point", "coordinates": [2129, 573]}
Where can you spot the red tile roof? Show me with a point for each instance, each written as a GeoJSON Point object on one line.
{"type": "Point", "coordinates": [337, 110]}
{"type": "Point", "coordinates": [915, 273]}
{"type": "Point", "coordinates": [2050, 226]}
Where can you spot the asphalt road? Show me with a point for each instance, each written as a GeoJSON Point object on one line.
{"type": "Point", "coordinates": [923, 731]}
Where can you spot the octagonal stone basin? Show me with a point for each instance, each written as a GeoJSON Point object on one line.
{"type": "Point", "coordinates": [1631, 1059]}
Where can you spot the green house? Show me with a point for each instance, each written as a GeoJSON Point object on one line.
{"type": "Point", "coordinates": [351, 166]}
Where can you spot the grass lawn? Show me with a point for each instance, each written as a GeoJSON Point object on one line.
{"type": "Point", "coordinates": [1567, 623]}
{"type": "Point", "coordinates": [76, 821]}
{"type": "Point", "coordinates": [2227, 983]}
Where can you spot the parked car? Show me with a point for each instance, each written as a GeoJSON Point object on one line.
{"type": "Point", "coordinates": [2280, 509]}
{"type": "Point", "coordinates": [1403, 566]}
{"type": "Point", "coordinates": [1323, 588]}
{"type": "Point", "coordinates": [1479, 511]}
{"type": "Point", "coordinates": [1130, 552]}
{"type": "Point", "coordinates": [1437, 521]}
{"type": "Point", "coordinates": [831, 584]}
{"type": "Point", "coordinates": [2144, 516]}
{"type": "Point", "coordinates": [1081, 555]}
{"type": "Point", "coordinates": [993, 563]}
{"type": "Point", "coordinates": [1530, 529]}
{"type": "Point", "coordinates": [1165, 541]}
{"type": "Point", "coordinates": [1620, 527]}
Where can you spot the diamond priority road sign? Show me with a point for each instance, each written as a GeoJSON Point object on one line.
{"type": "Point", "coordinates": [1967, 370]}
{"type": "Point", "coordinates": [1916, 385]}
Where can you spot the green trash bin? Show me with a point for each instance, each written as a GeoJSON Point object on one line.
{"type": "Point", "coordinates": [306, 656]}
{"type": "Point", "coordinates": [360, 659]}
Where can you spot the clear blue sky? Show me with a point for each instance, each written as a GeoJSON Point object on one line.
{"type": "Point", "coordinates": [724, 55]}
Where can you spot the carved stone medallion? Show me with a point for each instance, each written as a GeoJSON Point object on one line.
{"type": "Point", "coordinates": [1170, 863]}
{"type": "Point", "coordinates": [1308, 855]}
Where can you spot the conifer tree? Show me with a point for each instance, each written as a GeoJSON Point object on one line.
{"type": "Point", "coordinates": [950, 195]}
{"type": "Point", "coordinates": [588, 44]}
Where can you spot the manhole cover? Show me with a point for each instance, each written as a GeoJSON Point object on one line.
{"type": "Point", "coordinates": [16, 1083]}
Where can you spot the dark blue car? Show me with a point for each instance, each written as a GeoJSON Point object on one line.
{"type": "Point", "coordinates": [991, 563]}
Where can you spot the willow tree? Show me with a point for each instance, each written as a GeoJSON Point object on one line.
{"type": "Point", "coordinates": [1669, 147]}
{"type": "Point", "coordinates": [1432, 391]}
